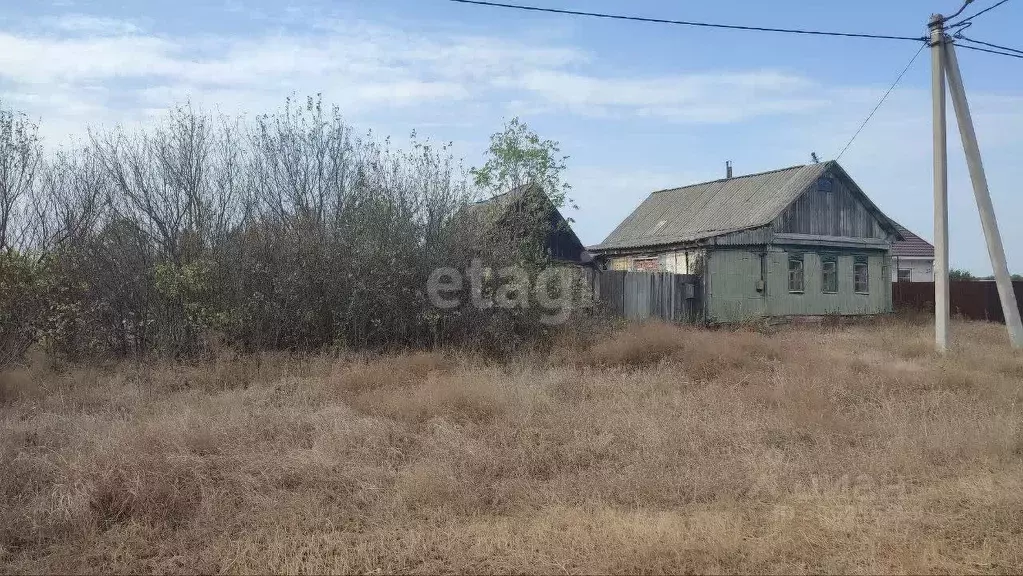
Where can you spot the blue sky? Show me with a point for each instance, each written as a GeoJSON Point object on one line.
{"type": "Point", "coordinates": [638, 107]}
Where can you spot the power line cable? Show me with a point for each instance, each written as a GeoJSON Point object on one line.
{"type": "Point", "coordinates": [979, 49]}
{"type": "Point", "coordinates": [988, 9]}
{"type": "Point", "coordinates": [686, 22]}
{"type": "Point", "coordinates": [988, 44]}
{"type": "Point", "coordinates": [961, 9]}
{"type": "Point", "coordinates": [883, 98]}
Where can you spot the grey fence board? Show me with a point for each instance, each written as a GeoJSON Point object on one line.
{"type": "Point", "coordinates": [645, 295]}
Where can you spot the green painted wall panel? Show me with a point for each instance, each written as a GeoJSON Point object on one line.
{"type": "Point", "coordinates": [731, 286]}
{"type": "Point", "coordinates": [732, 275]}
{"type": "Point", "coordinates": [813, 301]}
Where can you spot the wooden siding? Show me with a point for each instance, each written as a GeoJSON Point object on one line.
{"type": "Point", "coordinates": [645, 295]}
{"type": "Point", "coordinates": [732, 277]}
{"type": "Point", "coordinates": [754, 237]}
{"type": "Point", "coordinates": [813, 301]}
{"type": "Point", "coordinates": [562, 243]}
{"type": "Point", "coordinates": [838, 212]}
{"type": "Point", "coordinates": [731, 286]}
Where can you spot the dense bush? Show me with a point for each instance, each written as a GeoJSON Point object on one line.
{"type": "Point", "coordinates": [22, 305]}
{"type": "Point", "coordinates": [290, 232]}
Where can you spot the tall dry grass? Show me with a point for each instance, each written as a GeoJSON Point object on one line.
{"type": "Point", "coordinates": [653, 449]}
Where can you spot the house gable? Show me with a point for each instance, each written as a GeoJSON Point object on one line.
{"type": "Point", "coordinates": [504, 214]}
{"type": "Point", "coordinates": [834, 206]}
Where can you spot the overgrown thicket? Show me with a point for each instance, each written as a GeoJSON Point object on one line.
{"type": "Point", "coordinates": [288, 231]}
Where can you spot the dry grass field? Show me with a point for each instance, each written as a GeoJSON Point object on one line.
{"type": "Point", "coordinates": [652, 449]}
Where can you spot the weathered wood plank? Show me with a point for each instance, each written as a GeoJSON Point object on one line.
{"type": "Point", "coordinates": [645, 295]}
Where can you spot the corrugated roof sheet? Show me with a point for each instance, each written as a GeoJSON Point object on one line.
{"type": "Point", "coordinates": [913, 246]}
{"type": "Point", "coordinates": [713, 208]}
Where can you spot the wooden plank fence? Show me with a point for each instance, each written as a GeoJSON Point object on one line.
{"type": "Point", "coordinates": [974, 299]}
{"type": "Point", "coordinates": [645, 295]}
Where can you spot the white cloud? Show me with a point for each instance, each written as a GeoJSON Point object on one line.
{"type": "Point", "coordinates": [721, 97]}
{"type": "Point", "coordinates": [44, 60]}
{"type": "Point", "coordinates": [75, 70]}
{"type": "Point", "coordinates": [81, 23]}
{"type": "Point", "coordinates": [361, 67]}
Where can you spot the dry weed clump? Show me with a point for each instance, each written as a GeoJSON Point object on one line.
{"type": "Point", "coordinates": [655, 448]}
{"type": "Point", "coordinates": [15, 384]}
{"type": "Point", "coordinates": [636, 345]}
{"type": "Point", "coordinates": [701, 354]}
{"type": "Point", "coordinates": [473, 397]}
{"type": "Point", "coordinates": [390, 372]}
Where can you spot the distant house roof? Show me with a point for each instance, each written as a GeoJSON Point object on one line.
{"type": "Point", "coordinates": [913, 246]}
{"type": "Point", "coordinates": [562, 241]}
{"type": "Point", "coordinates": [496, 206]}
{"type": "Point", "coordinates": [720, 207]}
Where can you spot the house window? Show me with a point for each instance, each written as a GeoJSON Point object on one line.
{"type": "Point", "coordinates": [825, 184]}
{"type": "Point", "coordinates": [905, 275]}
{"type": "Point", "coordinates": [795, 272]}
{"type": "Point", "coordinates": [829, 275]}
{"type": "Point", "coordinates": [861, 275]}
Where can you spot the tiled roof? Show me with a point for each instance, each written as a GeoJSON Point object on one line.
{"type": "Point", "coordinates": [912, 247]}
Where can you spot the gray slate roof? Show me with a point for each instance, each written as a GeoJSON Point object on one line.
{"type": "Point", "coordinates": [713, 208]}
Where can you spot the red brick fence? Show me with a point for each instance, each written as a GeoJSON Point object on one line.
{"type": "Point", "coordinates": [974, 299]}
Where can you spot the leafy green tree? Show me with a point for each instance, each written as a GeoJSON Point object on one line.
{"type": "Point", "coordinates": [517, 229]}
{"type": "Point", "coordinates": [959, 274]}
{"type": "Point", "coordinates": [517, 156]}
{"type": "Point", "coordinates": [519, 161]}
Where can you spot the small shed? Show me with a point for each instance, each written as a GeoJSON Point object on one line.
{"type": "Point", "coordinates": [798, 241]}
{"type": "Point", "coordinates": [527, 205]}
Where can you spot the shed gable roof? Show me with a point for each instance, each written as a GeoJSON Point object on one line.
{"type": "Point", "coordinates": [491, 213]}
{"type": "Point", "coordinates": [709, 209]}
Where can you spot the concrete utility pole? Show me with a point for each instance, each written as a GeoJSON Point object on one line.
{"type": "Point", "coordinates": [941, 308]}
{"type": "Point", "coordinates": [980, 189]}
